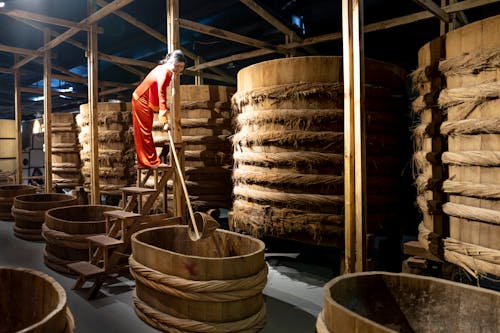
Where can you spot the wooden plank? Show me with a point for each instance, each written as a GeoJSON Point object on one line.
{"type": "Point", "coordinates": [18, 50]}
{"type": "Point", "coordinates": [53, 92]}
{"type": "Point", "coordinates": [414, 248]}
{"type": "Point", "coordinates": [103, 12]}
{"type": "Point", "coordinates": [18, 117]}
{"type": "Point", "coordinates": [17, 13]}
{"type": "Point", "coordinates": [434, 9]}
{"type": "Point", "coordinates": [6, 70]}
{"type": "Point", "coordinates": [47, 114]}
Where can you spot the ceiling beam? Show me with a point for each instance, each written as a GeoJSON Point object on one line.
{"type": "Point", "coordinates": [98, 15]}
{"type": "Point", "coordinates": [434, 9]}
{"type": "Point", "coordinates": [227, 35]}
{"type": "Point", "coordinates": [377, 26]}
{"type": "Point", "coordinates": [39, 91]}
{"type": "Point", "coordinates": [6, 70]}
{"type": "Point", "coordinates": [18, 50]}
{"type": "Point", "coordinates": [271, 19]}
{"type": "Point", "coordinates": [16, 13]}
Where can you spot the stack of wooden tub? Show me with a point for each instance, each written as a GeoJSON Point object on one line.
{"type": "Point", "coordinates": [7, 195]}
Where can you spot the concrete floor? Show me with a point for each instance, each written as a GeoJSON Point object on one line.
{"type": "Point", "coordinates": [293, 293]}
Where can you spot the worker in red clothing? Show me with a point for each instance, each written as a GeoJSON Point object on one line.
{"type": "Point", "coordinates": [149, 97]}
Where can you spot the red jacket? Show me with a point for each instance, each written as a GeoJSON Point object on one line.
{"type": "Point", "coordinates": [155, 85]}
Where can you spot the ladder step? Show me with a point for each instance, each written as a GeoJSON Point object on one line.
{"type": "Point", "coordinates": [105, 241]}
{"type": "Point", "coordinates": [137, 190]}
{"type": "Point", "coordinates": [85, 269]}
{"type": "Point", "coordinates": [121, 214]}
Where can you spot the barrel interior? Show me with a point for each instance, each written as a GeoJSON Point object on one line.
{"type": "Point", "coordinates": [406, 303]}
{"type": "Point", "coordinates": [178, 241]}
{"type": "Point", "coordinates": [44, 197]}
{"type": "Point", "coordinates": [79, 213]}
{"type": "Point", "coordinates": [28, 299]}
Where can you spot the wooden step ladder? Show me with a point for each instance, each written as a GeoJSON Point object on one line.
{"type": "Point", "coordinates": [106, 251]}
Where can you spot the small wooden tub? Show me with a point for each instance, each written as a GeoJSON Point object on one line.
{"type": "Point", "coordinates": [29, 212]}
{"type": "Point", "coordinates": [66, 230]}
{"type": "Point", "coordinates": [214, 284]}
{"type": "Point", "coordinates": [7, 195]}
{"type": "Point", "coordinates": [378, 302]}
{"type": "Point", "coordinates": [32, 302]}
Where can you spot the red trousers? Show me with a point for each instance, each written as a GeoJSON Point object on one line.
{"type": "Point", "coordinates": [142, 117]}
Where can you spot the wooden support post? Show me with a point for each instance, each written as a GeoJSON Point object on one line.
{"type": "Point", "coordinates": [47, 114]}
{"type": "Point", "coordinates": [92, 61]}
{"type": "Point", "coordinates": [354, 138]}
{"type": "Point", "coordinates": [18, 116]}
{"type": "Point", "coordinates": [175, 106]}
{"type": "Point", "coordinates": [198, 79]}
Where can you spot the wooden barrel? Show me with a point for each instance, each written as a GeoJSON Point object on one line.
{"type": "Point", "coordinates": [29, 212]}
{"type": "Point", "coordinates": [115, 144]}
{"type": "Point", "coordinates": [32, 302]}
{"type": "Point", "coordinates": [380, 302]}
{"type": "Point", "coordinates": [211, 285]}
{"type": "Point", "coordinates": [206, 128]}
{"type": "Point", "coordinates": [8, 143]}
{"type": "Point", "coordinates": [66, 163]}
{"type": "Point", "coordinates": [462, 217]}
{"type": "Point", "coordinates": [289, 149]}
{"type": "Point", "coordinates": [66, 230]}
{"type": "Point", "coordinates": [7, 195]}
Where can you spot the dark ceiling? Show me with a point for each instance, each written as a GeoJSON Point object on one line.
{"type": "Point", "coordinates": [397, 45]}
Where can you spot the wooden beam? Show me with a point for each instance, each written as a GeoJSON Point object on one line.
{"type": "Point", "coordinates": [354, 138]}
{"type": "Point", "coordinates": [118, 89]}
{"type": "Point", "coordinates": [227, 35]}
{"type": "Point", "coordinates": [18, 50]}
{"type": "Point", "coordinates": [103, 12]}
{"type": "Point", "coordinates": [271, 19]}
{"type": "Point", "coordinates": [236, 57]}
{"type": "Point", "coordinates": [40, 92]}
{"type": "Point", "coordinates": [47, 114]}
{"type": "Point", "coordinates": [6, 70]}
{"type": "Point", "coordinates": [18, 117]}
{"type": "Point", "coordinates": [93, 99]}
{"type": "Point", "coordinates": [126, 61]}
{"type": "Point", "coordinates": [173, 43]}
{"type": "Point", "coordinates": [432, 7]}
{"type": "Point", "coordinates": [16, 13]}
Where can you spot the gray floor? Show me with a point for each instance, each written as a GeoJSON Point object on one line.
{"type": "Point", "coordinates": [293, 293]}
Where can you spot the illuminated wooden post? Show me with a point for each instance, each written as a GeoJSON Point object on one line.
{"type": "Point", "coordinates": [93, 95]}
{"type": "Point", "coordinates": [354, 136]}
{"type": "Point", "coordinates": [175, 106]}
{"type": "Point", "coordinates": [18, 116]}
{"type": "Point", "coordinates": [47, 113]}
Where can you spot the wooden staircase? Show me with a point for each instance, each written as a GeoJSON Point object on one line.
{"type": "Point", "coordinates": [108, 253]}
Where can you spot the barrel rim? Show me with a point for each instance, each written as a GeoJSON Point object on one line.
{"type": "Point", "coordinates": [329, 300]}
{"type": "Point", "coordinates": [62, 195]}
{"type": "Point", "coordinates": [16, 187]}
{"type": "Point", "coordinates": [218, 259]}
{"type": "Point", "coordinates": [61, 305]}
{"type": "Point", "coordinates": [48, 213]}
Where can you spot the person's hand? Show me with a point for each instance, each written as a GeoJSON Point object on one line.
{"type": "Point", "coordinates": [166, 127]}
{"type": "Point", "coordinates": [163, 116]}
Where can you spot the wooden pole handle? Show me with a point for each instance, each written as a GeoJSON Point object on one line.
{"type": "Point", "coordinates": [184, 189]}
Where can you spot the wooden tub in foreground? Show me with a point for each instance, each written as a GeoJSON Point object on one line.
{"type": "Point", "coordinates": [376, 302]}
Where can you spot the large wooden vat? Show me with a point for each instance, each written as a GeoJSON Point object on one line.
{"type": "Point", "coordinates": [380, 302]}
{"type": "Point", "coordinates": [66, 230]}
{"type": "Point", "coordinates": [288, 149]}
{"type": "Point", "coordinates": [115, 144]}
{"type": "Point", "coordinates": [32, 302]}
{"type": "Point", "coordinates": [211, 285]}
{"type": "Point", "coordinates": [66, 163]}
{"type": "Point", "coordinates": [462, 217]}
{"type": "Point", "coordinates": [8, 143]}
{"type": "Point", "coordinates": [29, 212]}
{"type": "Point", "coordinates": [7, 195]}
{"type": "Point", "coordinates": [206, 128]}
